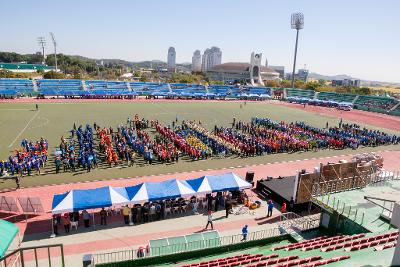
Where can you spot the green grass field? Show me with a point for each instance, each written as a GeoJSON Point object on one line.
{"type": "Point", "coordinates": [19, 120]}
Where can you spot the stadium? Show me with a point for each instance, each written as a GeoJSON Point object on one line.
{"type": "Point", "coordinates": [120, 163]}
{"type": "Point", "coordinates": [139, 147]}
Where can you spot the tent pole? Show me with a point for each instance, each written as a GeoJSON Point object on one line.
{"type": "Point", "coordinates": [130, 217]}
{"type": "Point", "coordinates": [94, 224]}
{"type": "Point", "coordinates": [52, 228]}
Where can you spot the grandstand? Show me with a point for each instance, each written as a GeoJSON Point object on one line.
{"type": "Point", "coordinates": [59, 87]}
{"type": "Point", "coordinates": [332, 96]}
{"type": "Point", "coordinates": [95, 88]}
{"type": "Point", "coordinates": [291, 92]}
{"type": "Point", "coordinates": [15, 86]}
{"type": "Point", "coordinates": [106, 85]}
{"type": "Point", "coordinates": [219, 90]}
{"type": "Point", "coordinates": [375, 103]}
{"type": "Point", "coordinates": [260, 91]}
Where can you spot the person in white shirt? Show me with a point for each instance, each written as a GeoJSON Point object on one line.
{"type": "Point", "coordinates": [209, 220]}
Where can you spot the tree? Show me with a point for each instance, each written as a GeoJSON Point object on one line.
{"type": "Point", "coordinates": [299, 84]}
{"type": "Point", "coordinates": [363, 91]}
{"type": "Point", "coordinates": [144, 78]}
{"type": "Point", "coordinates": [312, 85]}
{"type": "Point", "coordinates": [217, 82]}
{"type": "Point", "coordinates": [54, 75]}
{"type": "Point", "coordinates": [41, 72]}
{"type": "Point", "coordinates": [6, 74]}
{"type": "Point", "coordinates": [285, 84]}
{"type": "Point", "coordinates": [272, 83]}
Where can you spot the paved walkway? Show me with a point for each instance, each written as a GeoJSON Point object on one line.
{"type": "Point", "coordinates": [41, 223]}
{"type": "Point", "coordinates": [119, 237]}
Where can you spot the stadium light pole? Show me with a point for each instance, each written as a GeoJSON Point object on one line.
{"type": "Point", "coordinates": [42, 44]}
{"type": "Point", "coordinates": [53, 38]}
{"type": "Point", "coordinates": [297, 21]}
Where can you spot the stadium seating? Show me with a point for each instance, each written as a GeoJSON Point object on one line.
{"type": "Point", "coordinates": [105, 85]}
{"type": "Point", "coordinates": [299, 244]}
{"type": "Point", "coordinates": [147, 89]}
{"type": "Point", "coordinates": [59, 84]}
{"type": "Point", "coordinates": [375, 103]}
{"type": "Point", "coordinates": [366, 242]}
{"type": "Point", "coordinates": [386, 246]}
{"type": "Point", "coordinates": [52, 87]}
{"type": "Point", "coordinates": [302, 93]}
{"type": "Point", "coordinates": [59, 87]}
{"type": "Point", "coordinates": [332, 96]}
{"type": "Point", "coordinates": [189, 91]}
{"type": "Point", "coordinates": [319, 241]}
{"type": "Point", "coordinates": [242, 260]}
{"type": "Point", "coordinates": [330, 241]}
{"type": "Point", "coordinates": [15, 86]}
{"type": "Point", "coordinates": [325, 261]}
{"type": "Point", "coordinates": [260, 90]}
{"type": "Point", "coordinates": [296, 262]}
{"type": "Point", "coordinates": [219, 90]}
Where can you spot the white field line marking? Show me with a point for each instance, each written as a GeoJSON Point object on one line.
{"type": "Point", "coordinates": [26, 126]}
{"type": "Point", "coordinates": [181, 172]}
{"type": "Point", "coordinates": [14, 109]}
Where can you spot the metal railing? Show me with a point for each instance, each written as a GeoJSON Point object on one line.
{"type": "Point", "coordinates": [385, 176]}
{"type": "Point", "coordinates": [292, 222]}
{"type": "Point", "coordinates": [349, 183]}
{"type": "Point", "coordinates": [126, 255]}
{"type": "Point", "coordinates": [28, 256]}
{"type": "Point", "coordinates": [331, 204]}
{"type": "Point", "coordinates": [326, 200]}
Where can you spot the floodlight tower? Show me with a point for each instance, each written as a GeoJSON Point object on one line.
{"type": "Point", "coordinates": [53, 38]}
{"type": "Point", "coordinates": [297, 21]}
{"type": "Point", "coordinates": [42, 44]}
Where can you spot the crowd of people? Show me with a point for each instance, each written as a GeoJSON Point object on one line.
{"type": "Point", "coordinates": [29, 159]}
{"type": "Point", "coordinates": [338, 137]}
{"type": "Point", "coordinates": [85, 157]}
{"type": "Point", "coordinates": [153, 211]}
{"type": "Point", "coordinates": [217, 144]}
{"type": "Point", "coordinates": [131, 140]}
{"type": "Point", "coordinates": [180, 142]}
{"type": "Point", "coordinates": [204, 151]}
{"type": "Point", "coordinates": [258, 137]}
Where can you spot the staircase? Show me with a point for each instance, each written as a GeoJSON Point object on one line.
{"type": "Point", "coordinates": [316, 95]}
{"type": "Point", "coordinates": [355, 99]}
{"type": "Point", "coordinates": [293, 224]}
{"type": "Point", "coordinates": [35, 86]}
{"type": "Point", "coordinates": [84, 87]}
{"type": "Point", "coordinates": [395, 106]}
{"type": "Point", "coordinates": [128, 85]}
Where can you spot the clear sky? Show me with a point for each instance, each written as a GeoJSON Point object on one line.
{"type": "Point", "coordinates": [356, 37]}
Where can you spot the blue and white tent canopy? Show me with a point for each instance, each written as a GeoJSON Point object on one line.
{"type": "Point", "coordinates": [218, 183]}
{"type": "Point", "coordinates": [153, 191]}
{"type": "Point", "coordinates": [76, 200]}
